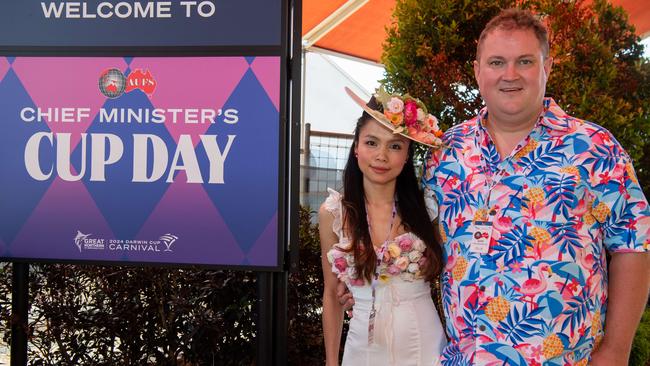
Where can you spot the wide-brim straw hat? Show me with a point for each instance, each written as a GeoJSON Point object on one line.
{"type": "Point", "coordinates": [416, 133]}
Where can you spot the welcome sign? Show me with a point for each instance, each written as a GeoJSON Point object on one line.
{"type": "Point", "coordinates": [96, 23]}
{"type": "Point", "coordinates": [175, 159]}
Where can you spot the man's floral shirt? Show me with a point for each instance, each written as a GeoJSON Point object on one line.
{"type": "Point", "coordinates": [566, 195]}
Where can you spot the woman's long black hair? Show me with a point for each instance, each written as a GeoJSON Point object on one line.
{"type": "Point", "coordinates": [410, 207]}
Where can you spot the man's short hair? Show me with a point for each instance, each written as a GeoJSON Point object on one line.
{"type": "Point", "coordinates": [516, 19]}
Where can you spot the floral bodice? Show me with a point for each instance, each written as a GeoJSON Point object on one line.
{"type": "Point", "coordinates": [402, 256]}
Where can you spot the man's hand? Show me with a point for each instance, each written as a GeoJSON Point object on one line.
{"type": "Point", "coordinates": [345, 297]}
{"type": "Point", "coordinates": [603, 356]}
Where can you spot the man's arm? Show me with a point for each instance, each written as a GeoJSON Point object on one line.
{"type": "Point", "coordinates": [629, 281]}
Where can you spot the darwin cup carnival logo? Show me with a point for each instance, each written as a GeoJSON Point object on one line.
{"type": "Point", "coordinates": [113, 83]}
{"type": "Point", "coordinates": [168, 240]}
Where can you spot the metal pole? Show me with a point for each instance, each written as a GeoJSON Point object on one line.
{"type": "Point", "coordinates": [280, 322]}
{"type": "Point", "coordinates": [264, 318]}
{"type": "Point", "coordinates": [19, 312]}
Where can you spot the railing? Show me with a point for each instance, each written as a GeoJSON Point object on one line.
{"type": "Point", "coordinates": [323, 158]}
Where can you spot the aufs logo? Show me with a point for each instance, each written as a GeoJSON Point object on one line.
{"type": "Point", "coordinates": [113, 83]}
{"type": "Point", "coordinates": [84, 241]}
{"type": "Point", "coordinates": [168, 240]}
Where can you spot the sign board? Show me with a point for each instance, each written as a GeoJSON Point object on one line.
{"type": "Point", "coordinates": [172, 158]}
{"type": "Point", "coordinates": [103, 23]}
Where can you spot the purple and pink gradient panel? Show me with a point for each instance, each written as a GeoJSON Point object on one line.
{"type": "Point", "coordinates": [210, 222]}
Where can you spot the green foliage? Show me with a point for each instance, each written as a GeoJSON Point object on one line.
{"type": "Point", "coordinates": [305, 300]}
{"type": "Point", "coordinates": [599, 73]}
{"type": "Point", "coordinates": [92, 315]}
{"type": "Point", "coordinates": [641, 346]}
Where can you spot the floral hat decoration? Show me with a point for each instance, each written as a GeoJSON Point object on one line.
{"type": "Point", "coordinates": [404, 115]}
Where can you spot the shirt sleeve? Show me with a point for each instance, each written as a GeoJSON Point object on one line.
{"type": "Point", "coordinates": [430, 187]}
{"type": "Point", "coordinates": [627, 227]}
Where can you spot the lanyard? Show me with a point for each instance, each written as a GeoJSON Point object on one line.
{"type": "Point", "coordinates": [493, 178]}
{"type": "Point", "coordinates": [382, 250]}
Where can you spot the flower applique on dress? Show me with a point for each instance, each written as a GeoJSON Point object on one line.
{"type": "Point", "coordinates": [402, 256]}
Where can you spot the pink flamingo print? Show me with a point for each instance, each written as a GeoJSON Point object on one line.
{"type": "Point", "coordinates": [534, 286]}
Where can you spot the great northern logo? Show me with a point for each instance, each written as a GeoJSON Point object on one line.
{"type": "Point", "coordinates": [113, 83]}
{"type": "Point", "coordinates": [84, 241]}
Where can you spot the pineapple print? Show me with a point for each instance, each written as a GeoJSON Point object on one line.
{"type": "Point", "coordinates": [481, 215]}
{"type": "Point", "coordinates": [535, 195]}
{"type": "Point", "coordinates": [552, 346]}
{"type": "Point", "coordinates": [595, 323]}
{"type": "Point", "coordinates": [597, 340]}
{"type": "Point", "coordinates": [582, 362]}
{"type": "Point", "coordinates": [530, 146]}
{"type": "Point", "coordinates": [588, 218]}
{"type": "Point", "coordinates": [443, 233]}
{"type": "Point", "coordinates": [630, 172]}
{"type": "Point", "coordinates": [540, 235]}
{"type": "Point", "coordinates": [497, 309]}
{"type": "Point", "coordinates": [573, 170]}
{"type": "Point", "coordinates": [459, 269]}
{"type": "Point", "coordinates": [600, 212]}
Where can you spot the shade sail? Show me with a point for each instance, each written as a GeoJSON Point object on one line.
{"type": "Point", "coordinates": [357, 27]}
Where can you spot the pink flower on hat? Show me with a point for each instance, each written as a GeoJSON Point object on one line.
{"type": "Point", "coordinates": [395, 105]}
{"type": "Point", "coordinates": [420, 114]}
{"type": "Point", "coordinates": [410, 113]}
{"type": "Point", "coordinates": [431, 123]}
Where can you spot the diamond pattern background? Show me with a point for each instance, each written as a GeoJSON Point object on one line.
{"type": "Point", "coordinates": [234, 223]}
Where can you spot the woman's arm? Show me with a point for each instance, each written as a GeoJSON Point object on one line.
{"type": "Point", "coordinates": [332, 310]}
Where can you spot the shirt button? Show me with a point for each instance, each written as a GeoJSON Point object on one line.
{"type": "Point", "coordinates": [493, 212]}
{"type": "Point", "coordinates": [482, 288]}
{"type": "Point", "coordinates": [481, 328]}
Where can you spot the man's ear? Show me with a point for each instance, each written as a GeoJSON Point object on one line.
{"type": "Point", "coordinates": [548, 64]}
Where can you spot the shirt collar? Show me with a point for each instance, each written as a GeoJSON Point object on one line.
{"type": "Point", "coordinates": [552, 117]}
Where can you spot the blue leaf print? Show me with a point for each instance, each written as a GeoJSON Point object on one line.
{"type": "Point", "coordinates": [576, 310]}
{"type": "Point", "coordinates": [458, 199]}
{"type": "Point", "coordinates": [453, 356]}
{"type": "Point", "coordinates": [518, 327]}
{"type": "Point", "coordinates": [512, 245]}
{"type": "Point", "coordinates": [492, 157]}
{"type": "Point", "coordinates": [566, 237]}
{"type": "Point", "coordinates": [454, 137]}
{"type": "Point", "coordinates": [506, 353]}
{"type": "Point", "coordinates": [603, 158]}
{"type": "Point", "coordinates": [561, 193]}
{"type": "Point", "coordinates": [544, 156]}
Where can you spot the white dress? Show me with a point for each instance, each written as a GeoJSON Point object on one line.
{"type": "Point", "coordinates": [407, 329]}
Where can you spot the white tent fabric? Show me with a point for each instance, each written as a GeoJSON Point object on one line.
{"type": "Point", "coordinates": [326, 106]}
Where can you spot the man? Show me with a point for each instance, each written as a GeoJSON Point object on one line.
{"type": "Point", "coordinates": [530, 200]}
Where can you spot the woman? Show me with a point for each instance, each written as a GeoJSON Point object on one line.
{"type": "Point", "coordinates": [378, 238]}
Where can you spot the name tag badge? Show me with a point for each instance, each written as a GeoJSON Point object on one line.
{"type": "Point", "coordinates": [481, 235]}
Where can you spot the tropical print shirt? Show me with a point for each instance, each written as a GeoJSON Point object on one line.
{"type": "Point", "coordinates": [566, 194]}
